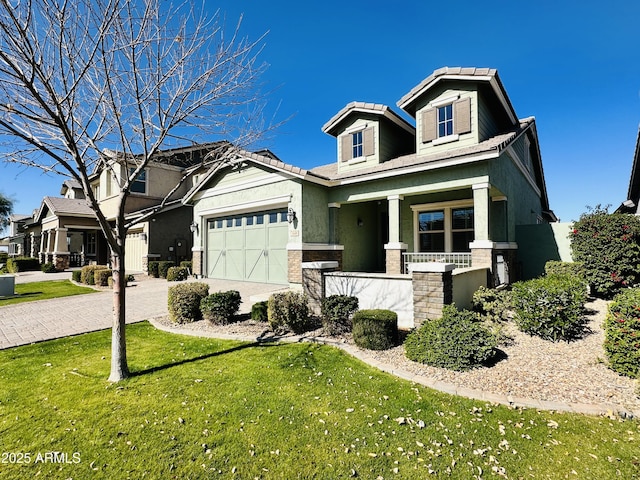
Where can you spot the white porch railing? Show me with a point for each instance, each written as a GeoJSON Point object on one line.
{"type": "Point", "coordinates": [460, 260]}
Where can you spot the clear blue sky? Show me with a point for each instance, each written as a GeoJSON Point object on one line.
{"type": "Point", "coordinates": [573, 65]}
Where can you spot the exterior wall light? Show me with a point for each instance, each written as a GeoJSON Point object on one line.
{"type": "Point", "coordinates": [193, 227]}
{"type": "Point", "coordinates": [291, 215]}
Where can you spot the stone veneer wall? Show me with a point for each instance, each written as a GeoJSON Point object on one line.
{"type": "Point", "coordinates": [196, 259]}
{"type": "Point", "coordinates": [393, 259]}
{"type": "Point", "coordinates": [432, 289]}
{"type": "Point", "coordinates": [295, 258]}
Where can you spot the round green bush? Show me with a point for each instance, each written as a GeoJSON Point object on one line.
{"type": "Point", "coordinates": [337, 311]}
{"type": "Point", "coordinates": [259, 311]}
{"type": "Point", "coordinates": [220, 308]}
{"type": "Point", "coordinates": [153, 269]}
{"type": "Point", "coordinates": [48, 268]}
{"type": "Point", "coordinates": [163, 268]}
{"type": "Point", "coordinates": [288, 311]}
{"type": "Point", "coordinates": [375, 329]}
{"type": "Point", "coordinates": [550, 307]}
{"type": "Point", "coordinates": [184, 301]}
{"type": "Point", "coordinates": [75, 275]}
{"type": "Point", "coordinates": [622, 333]}
{"type": "Point", "coordinates": [457, 341]}
{"type": "Point", "coordinates": [177, 274]}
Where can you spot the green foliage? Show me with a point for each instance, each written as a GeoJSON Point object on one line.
{"type": "Point", "coordinates": [607, 244]}
{"type": "Point", "coordinates": [48, 268]}
{"type": "Point", "coordinates": [622, 333]}
{"type": "Point", "coordinates": [22, 264]}
{"type": "Point", "coordinates": [336, 313]}
{"type": "Point", "coordinates": [87, 273]}
{"type": "Point", "coordinates": [550, 307]}
{"type": "Point", "coordinates": [288, 311]}
{"type": "Point", "coordinates": [184, 301]}
{"type": "Point", "coordinates": [187, 264]}
{"type": "Point", "coordinates": [152, 269]}
{"type": "Point", "coordinates": [556, 267]}
{"type": "Point", "coordinates": [101, 276]}
{"type": "Point", "coordinates": [76, 276]}
{"type": "Point", "coordinates": [259, 311]}
{"type": "Point", "coordinates": [375, 329]}
{"type": "Point", "coordinates": [177, 274]}
{"type": "Point", "coordinates": [457, 341]}
{"type": "Point", "coordinates": [219, 308]}
{"type": "Point", "coordinates": [163, 268]}
{"type": "Point", "coordinates": [491, 304]}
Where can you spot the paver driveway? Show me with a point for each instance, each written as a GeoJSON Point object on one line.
{"type": "Point", "coordinates": [30, 322]}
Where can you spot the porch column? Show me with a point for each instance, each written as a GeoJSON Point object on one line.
{"type": "Point", "coordinates": [334, 219]}
{"type": "Point", "coordinates": [482, 246]}
{"type": "Point", "coordinates": [395, 248]}
{"type": "Point", "coordinates": [61, 250]}
{"type": "Point", "coordinates": [32, 245]}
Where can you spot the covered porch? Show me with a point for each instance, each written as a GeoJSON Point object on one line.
{"type": "Point", "coordinates": [465, 225]}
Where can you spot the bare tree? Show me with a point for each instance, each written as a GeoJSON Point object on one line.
{"type": "Point", "coordinates": [82, 79]}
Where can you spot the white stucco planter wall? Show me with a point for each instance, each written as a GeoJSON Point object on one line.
{"type": "Point", "coordinates": [376, 291]}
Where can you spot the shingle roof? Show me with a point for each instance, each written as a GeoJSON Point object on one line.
{"type": "Point", "coordinates": [68, 206]}
{"type": "Point", "coordinates": [494, 144]}
{"type": "Point", "coordinates": [365, 107]}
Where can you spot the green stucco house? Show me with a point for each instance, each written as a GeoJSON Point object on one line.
{"type": "Point", "coordinates": [449, 185]}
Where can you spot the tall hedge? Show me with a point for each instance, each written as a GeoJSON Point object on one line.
{"type": "Point", "coordinates": [622, 333]}
{"type": "Point", "coordinates": [607, 245]}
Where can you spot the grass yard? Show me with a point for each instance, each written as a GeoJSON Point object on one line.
{"type": "Point", "coordinates": [203, 408]}
{"type": "Point", "coordinates": [29, 292]}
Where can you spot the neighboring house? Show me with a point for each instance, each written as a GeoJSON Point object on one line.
{"type": "Point", "coordinates": [632, 203]}
{"type": "Point", "coordinates": [71, 235]}
{"type": "Point", "coordinates": [452, 188]}
{"type": "Point", "coordinates": [18, 240]}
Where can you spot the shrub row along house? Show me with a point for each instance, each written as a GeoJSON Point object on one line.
{"type": "Point", "coordinates": [451, 185]}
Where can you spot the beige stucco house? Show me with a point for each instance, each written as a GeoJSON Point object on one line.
{"type": "Point", "coordinates": [448, 181]}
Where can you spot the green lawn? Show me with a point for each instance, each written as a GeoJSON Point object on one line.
{"type": "Point", "coordinates": [203, 408]}
{"type": "Point", "coordinates": [29, 292]}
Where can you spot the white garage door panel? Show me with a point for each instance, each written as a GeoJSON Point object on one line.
{"type": "Point", "coordinates": [249, 247]}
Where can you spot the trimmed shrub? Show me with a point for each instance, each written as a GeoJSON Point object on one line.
{"type": "Point", "coordinates": [375, 329]}
{"type": "Point", "coordinates": [187, 264]}
{"type": "Point", "coordinates": [22, 264]}
{"type": "Point", "coordinates": [48, 268]}
{"type": "Point", "coordinates": [457, 341]}
{"type": "Point", "coordinates": [87, 273]}
{"type": "Point", "coordinates": [491, 304]}
{"type": "Point", "coordinates": [556, 267]}
{"type": "Point", "coordinates": [152, 269]}
{"type": "Point", "coordinates": [607, 244]}
{"type": "Point", "coordinates": [259, 312]}
{"type": "Point", "coordinates": [177, 274]}
{"type": "Point", "coordinates": [219, 308]}
{"type": "Point", "coordinates": [622, 333]}
{"type": "Point", "coordinates": [163, 268]}
{"type": "Point", "coordinates": [101, 276]}
{"type": "Point", "coordinates": [75, 276]}
{"type": "Point", "coordinates": [337, 311]}
{"type": "Point", "coordinates": [550, 307]}
{"type": "Point", "coordinates": [184, 301]}
{"type": "Point", "coordinates": [288, 311]}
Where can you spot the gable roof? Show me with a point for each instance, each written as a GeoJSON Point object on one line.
{"type": "Point", "coordinates": [488, 75]}
{"type": "Point", "coordinates": [331, 127]}
{"type": "Point", "coordinates": [59, 206]}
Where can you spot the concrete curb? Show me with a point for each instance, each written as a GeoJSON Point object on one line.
{"type": "Point", "coordinates": [608, 410]}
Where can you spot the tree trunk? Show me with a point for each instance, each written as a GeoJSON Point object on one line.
{"type": "Point", "coordinates": [119, 367]}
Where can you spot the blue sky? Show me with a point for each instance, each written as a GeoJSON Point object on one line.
{"type": "Point", "coordinates": [575, 66]}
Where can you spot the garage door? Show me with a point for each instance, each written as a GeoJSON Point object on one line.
{"type": "Point", "coordinates": [134, 248]}
{"type": "Point", "coordinates": [251, 247]}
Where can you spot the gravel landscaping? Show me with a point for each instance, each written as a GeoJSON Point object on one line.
{"type": "Point", "coordinates": [566, 372]}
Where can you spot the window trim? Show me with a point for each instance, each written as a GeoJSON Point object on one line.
{"type": "Point", "coordinates": [145, 182]}
{"type": "Point", "coordinates": [448, 221]}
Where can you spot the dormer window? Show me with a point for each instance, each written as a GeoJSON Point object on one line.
{"type": "Point", "coordinates": [357, 144]}
{"type": "Point", "coordinates": [445, 120]}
